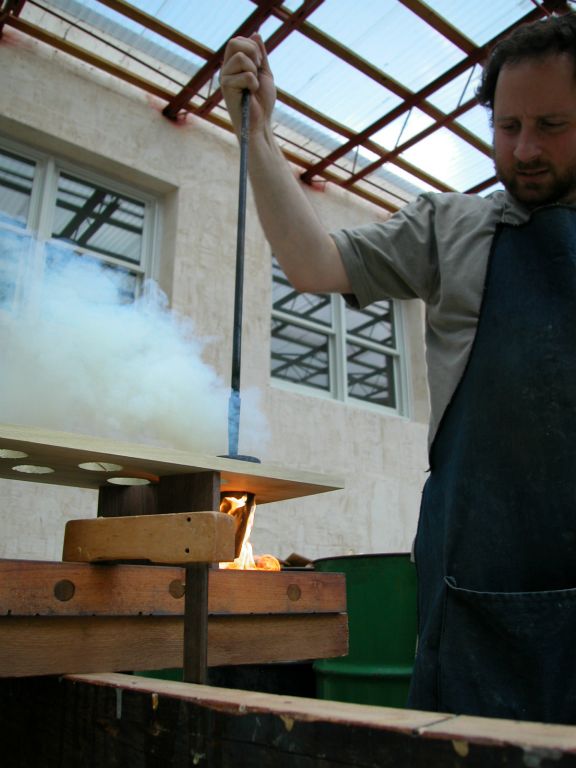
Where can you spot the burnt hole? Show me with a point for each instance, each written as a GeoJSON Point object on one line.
{"type": "Point", "coordinates": [176, 589]}
{"type": "Point", "coordinates": [64, 590]}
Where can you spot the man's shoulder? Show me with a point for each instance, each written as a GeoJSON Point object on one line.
{"type": "Point", "coordinates": [460, 201]}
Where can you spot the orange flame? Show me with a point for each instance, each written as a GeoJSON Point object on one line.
{"type": "Point", "coordinates": [246, 561]}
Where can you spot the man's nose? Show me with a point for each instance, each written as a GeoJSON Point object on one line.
{"type": "Point", "coordinates": [527, 146]}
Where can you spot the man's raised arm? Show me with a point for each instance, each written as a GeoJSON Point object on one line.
{"type": "Point", "coordinates": [305, 250]}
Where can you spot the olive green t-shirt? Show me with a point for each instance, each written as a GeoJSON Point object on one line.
{"type": "Point", "coordinates": [435, 249]}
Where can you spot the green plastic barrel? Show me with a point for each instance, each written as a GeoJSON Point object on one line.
{"type": "Point", "coordinates": [381, 596]}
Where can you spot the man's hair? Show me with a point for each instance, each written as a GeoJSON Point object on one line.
{"type": "Point", "coordinates": [553, 35]}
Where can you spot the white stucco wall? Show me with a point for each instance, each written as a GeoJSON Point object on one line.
{"type": "Point", "coordinates": [58, 105]}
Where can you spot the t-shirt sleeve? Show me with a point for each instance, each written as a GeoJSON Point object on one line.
{"type": "Point", "coordinates": [393, 259]}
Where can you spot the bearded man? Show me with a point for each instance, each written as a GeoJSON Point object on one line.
{"type": "Point", "coordinates": [495, 549]}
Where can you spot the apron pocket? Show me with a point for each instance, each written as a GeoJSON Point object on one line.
{"type": "Point", "coordinates": [509, 654]}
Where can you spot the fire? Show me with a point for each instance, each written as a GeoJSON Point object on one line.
{"type": "Point", "coordinates": [243, 510]}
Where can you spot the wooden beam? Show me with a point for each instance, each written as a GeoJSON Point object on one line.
{"type": "Point", "coordinates": [62, 617]}
{"type": "Point", "coordinates": [29, 588]}
{"type": "Point", "coordinates": [56, 645]}
{"type": "Point", "coordinates": [195, 663]}
{"type": "Point", "coordinates": [185, 537]}
{"type": "Point", "coordinates": [134, 722]}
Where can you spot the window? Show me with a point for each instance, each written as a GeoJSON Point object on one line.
{"type": "Point", "coordinates": [321, 344]}
{"type": "Point", "coordinates": [51, 211]}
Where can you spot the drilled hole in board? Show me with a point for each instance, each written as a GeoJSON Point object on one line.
{"type": "Point", "coordinates": [7, 453]}
{"type": "Point", "coordinates": [100, 466]}
{"type": "Point", "coordinates": [129, 480]}
{"type": "Point", "coordinates": [32, 469]}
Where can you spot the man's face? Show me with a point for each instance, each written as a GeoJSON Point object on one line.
{"type": "Point", "coordinates": [535, 130]}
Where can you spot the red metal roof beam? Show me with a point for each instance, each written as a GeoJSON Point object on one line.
{"type": "Point", "coordinates": [9, 8]}
{"type": "Point", "coordinates": [440, 24]}
{"type": "Point", "coordinates": [250, 25]}
{"type": "Point", "coordinates": [410, 142]}
{"type": "Point", "coordinates": [293, 22]}
{"type": "Point", "coordinates": [473, 58]}
{"type": "Point", "coordinates": [152, 23]}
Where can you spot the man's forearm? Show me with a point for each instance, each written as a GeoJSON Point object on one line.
{"type": "Point", "coordinates": [303, 247]}
{"type": "Point", "coordinates": [301, 244]}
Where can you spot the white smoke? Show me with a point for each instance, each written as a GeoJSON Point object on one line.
{"type": "Point", "coordinates": [74, 358]}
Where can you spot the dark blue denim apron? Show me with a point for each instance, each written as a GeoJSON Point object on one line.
{"type": "Point", "coordinates": [496, 542]}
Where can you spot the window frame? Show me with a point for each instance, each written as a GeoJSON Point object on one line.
{"type": "Point", "coordinates": [42, 207]}
{"type": "Point", "coordinates": [338, 338]}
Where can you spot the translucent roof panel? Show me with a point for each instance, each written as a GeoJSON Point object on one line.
{"type": "Point", "coordinates": [481, 21]}
{"type": "Point", "coordinates": [299, 131]}
{"type": "Point", "coordinates": [133, 37]}
{"type": "Point", "coordinates": [211, 24]}
{"type": "Point", "coordinates": [329, 84]}
{"type": "Point", "coordinates": [477, 121]}
{"type": "Point", "coordinates": [387, 34]}
{"type": "Point", "coordinates": [458, 91]}
{"type": "Point", "coordinates": [445, 155]}
{"type": "Point", "coordinates": [349, 75]}
{"type": "Point", "coordinates": [403, 129]}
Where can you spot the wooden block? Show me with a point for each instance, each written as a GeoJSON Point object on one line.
{"type": "Point", "coordinates": [56, 645]}
{"type": "Point", "coordinates": [36, 588]}
{"type": "Point", "coordinates": [193, 537]}
{"type": "Point", "coordinates": [194, 492]}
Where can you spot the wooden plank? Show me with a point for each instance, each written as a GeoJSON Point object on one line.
{"type": "Point", "coordinates": [38, 588]}
{"type": "Point", "coordinates": [465, 730]}
{"type": "Point", "coordinates": [238, 702]}
{"type": "Point", "coordinates": [64, 453]}
{"type": "Point", "coordinates": [134, 722]}
{"type": "Point", "coordinates": [193, 492]}
{"type": "Point", "coordinates": [186, 537]}
{"type": "Point", "coordinates": [56, 645]}
{"type": "Point", "coordinates": [528, 736]}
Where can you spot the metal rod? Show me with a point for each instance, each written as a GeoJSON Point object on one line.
{"type": "Point", "coordinates": [195, 666]}
{"type": "Point", "coordinates": [234, 402]}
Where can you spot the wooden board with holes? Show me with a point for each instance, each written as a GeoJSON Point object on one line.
{"type": "Point", "coordinates": [195, 537]}
{"type": "Point", "coordinates": [64, 617]}
{"type": "Point", "coordinates": [89, 462]}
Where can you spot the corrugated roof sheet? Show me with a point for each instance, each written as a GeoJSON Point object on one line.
{"type": "Point", "coordinates": [377, 96]}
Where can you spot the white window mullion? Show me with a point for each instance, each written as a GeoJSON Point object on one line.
{"type": "Point", "coordinates": [339, 367]}
{"type": "Point", "coordinates": [366, 358]}
{"type": "Point", "coordinates": [44, 207]}
{"type": "Point", "coordinates": [39, 221]}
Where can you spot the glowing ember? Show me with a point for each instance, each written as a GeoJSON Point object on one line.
{"type": "Point", "coordinates": [243, 510]}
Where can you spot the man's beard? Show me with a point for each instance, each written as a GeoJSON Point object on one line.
{"type": "Point", "coordinates": [559, 187]}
